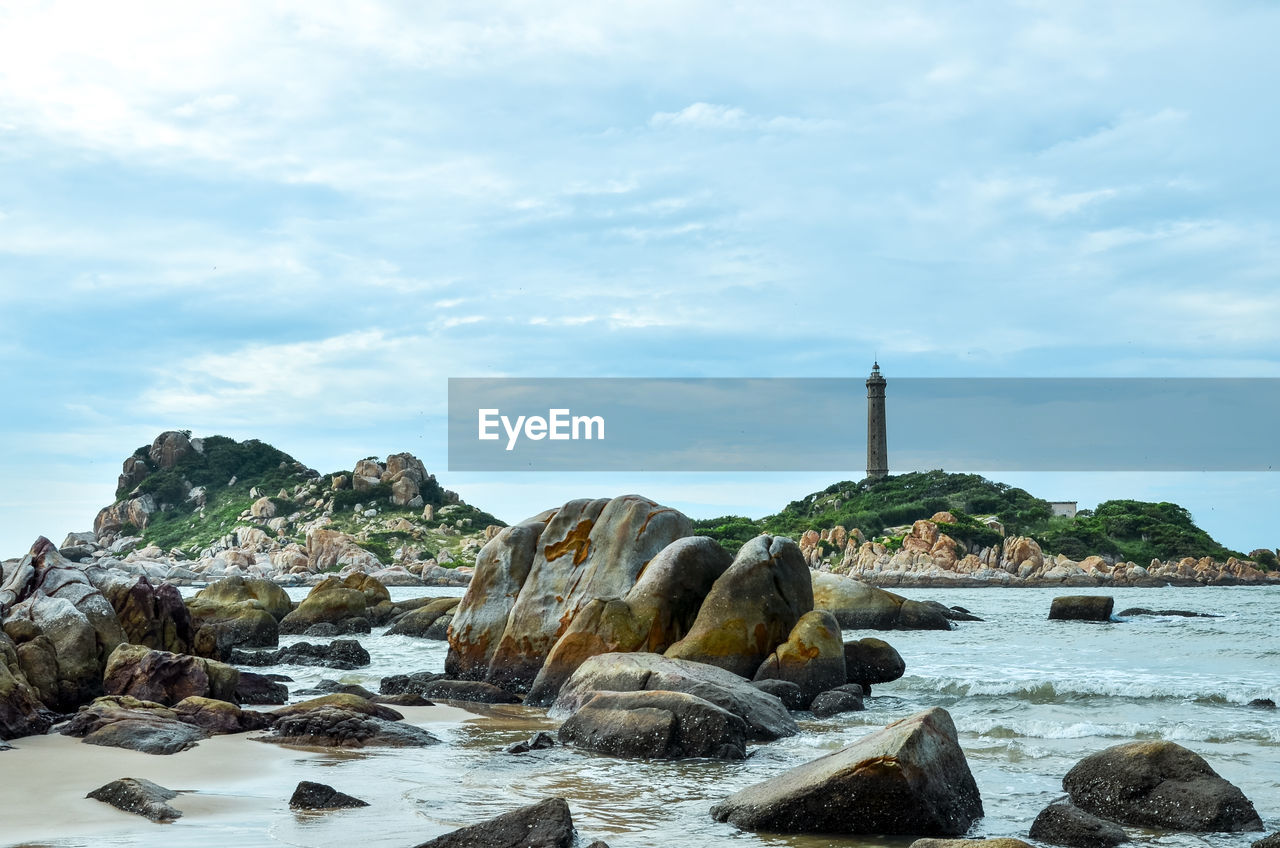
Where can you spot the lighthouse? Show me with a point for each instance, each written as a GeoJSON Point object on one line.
{"type": "Point", "coordinates": [877, 449]}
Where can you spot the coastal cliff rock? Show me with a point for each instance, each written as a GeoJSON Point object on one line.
{"type": "Point", "coordinates": [657, 612]}
{"type": "Point", "coordinates": [751, 608]}
{"type": "Point", "coordinates": [151, 614]}
{"type": "Point", "coordinates": [765, 715]}
{"type": "Point", "coordinates": [859, 606]}
{"type": "Point", "coordinates": [1160, 785]}
{"type": "Point", "coordinates": [533, 580]}
{"type": "Point", "coordinates": [655, 725]}
{"type": "Point", "coordinates": [812, 657]}
{"type": "Point", "coordinates": [909, 778]}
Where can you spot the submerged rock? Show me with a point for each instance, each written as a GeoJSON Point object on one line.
{"type": "Point", "coordinates": [656, 725]}
{"type": "Point", "coordinates": [1070, 826]}
{"type": "Point", "coordinates": [909, 778]}
{"type": "Point", "coordinates": [546, 824]}
{"type": "Point", "coordinates": [766, 717]}
{"type": "Point", "coordinates": [1160, 785]}
{"type": "Point", "coordinates": [1137, 611]}
{"type": "Point", "coordinates": [999, 842]}
{"type": "Point", "coordinates": [320, 796]}
{"type": "Point", "coordinates": [140, 797]}
{"type": "Point", "coordinates": [841, 699]}
{"type": "Point", "coordinates": [539, 741]}
{"type": "Point", "coordinates": [1082, 608]}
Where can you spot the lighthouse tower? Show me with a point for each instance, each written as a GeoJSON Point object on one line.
{"type": "Point", "coordinates": [877, 449]}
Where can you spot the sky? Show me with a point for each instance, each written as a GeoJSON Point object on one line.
{"type": "Point", "coordinates": [295, 221]}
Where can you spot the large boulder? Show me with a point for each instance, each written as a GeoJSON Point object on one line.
{"type": "Point", "coordinates": [343, 654]}
{"type": "Point", "coordinates": [1082, 608]}
{"type": "Point", "coordinates": [859, 606]}
{"type": "Point", "coordinates": [45, 595]}
{"type": "Point", "coordinates": [546, 824]}
{"type": "Point", "coordinates": [170, 448]}
{"type": "Point", "coordinates": [167, 678]}
{"type": "Point", "coordinates": [140, 797]}
{"type": "Point", "coordinates": [237, 612]}
{"type": "Point", "coordinates": [21, 711]}
{"type": "Point", "coordinates": [585, 550]}
{"type": "Point", "coordinates": [1159, 785]}
{"type": "Point", "coordinates": [872, 660]}
{"type": "Point", "coordinates": [910, 778]}
{"type": "Point", "coordinates": [335, 727]}
{"type": "Point", "coordinates": [751, 609]}
{"type": "Point", "coordinates": [150, 614]}
{"type": "Point", "coordinates": [124, 722]}
{"type": "Point", "coordinates": [656, 725]}
{"type": "Point", "coordinates": [419, 622]}
{"type": "Point", "coordinates": [332, 550]}
{"type": "Point", "coordinates": [657, 612]}
{"type": "Point", "coordinates": [812, 657]}
{"type": "Point", "coordinates": [340, 601]}
{"type": "Point", "coordinates": [310, 795]}
{"type": "Point", "coordinates": [765, 715]}
{"type": "Point", "coordinates": [1071, 827]}
{"type": "Point", "coordinates": [216, 717]}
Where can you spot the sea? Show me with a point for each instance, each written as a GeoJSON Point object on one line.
{"type": "Point", "coordinates": [1029, 696]}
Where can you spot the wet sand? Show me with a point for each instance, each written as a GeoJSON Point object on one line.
{"type": "Point", "coordinates": [222, 781]}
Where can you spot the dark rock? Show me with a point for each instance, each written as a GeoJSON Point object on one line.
{"type": "Point", "coordinates": [439, 629]}
{"type": "Point", "coordinates": [259, 689]}
{"type": "Point", "coordinates": [1159, 785]}
{"type": "Point", "coordinates": [1082, 608]}
{"type": "Point", "coordinates": [1065, 824]}
{"type": "Point", "coordinates": [329, 687]}
{"type": "Point", "coordinates": [167, 678]}
{"type": "Point", "coordinates": [766, 716]}
{"type": "Point", "coordinates": [355, 625]}
{"type": "Point", "coordinates": [341, 654]}
{"type": "Point", "coordinates": [1136, 611]}
{"type": "Point", "coordinates": [812, 657]}
{"type": "Point", "coordinates": [998, 842]}
{"type": "Point", "coordinates": [1263, 703]}
{"type": "Point", "coordinates": [537, 742]}
{"type": "Point", "coordinates": [404, 699]}
{"type": "Point", "coordinates": [124, 722]}
{"type": "Point", "coordinates": [320, 796]}
{"type": "Point", "coordinates": [467, 690]}
{"type": "Point", "coordinates": [397, 684]}
{"type": "Point", "coordinates": [869, 661]}
{"type": "Point", "coordinates": [786, 691]}
{"type": "Point", "coordinates": [842, 699]}
{"type": "Point", "coordinates": [140, 797]}
{"type": "Point", "coordinates": [656, 725]}
{"type": "Point", "coordinates": [909, 778]}
{"type": "Point", "coordinates": [334, 727]}
{"type": "Point", "coordinates": [323, 630]}
{"type": "Point", "coordinates": [751, 608]}
{"type": "Point", "coordinates": [546, 824]}
{"type": "Point", "coordinates": [1272, 841]}
{"type": "Point", "coordinates": [342, 701]}
{"type": "Point", "coordinates": [417, 622]}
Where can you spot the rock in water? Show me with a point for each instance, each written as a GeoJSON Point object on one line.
{"type": "Point", "coordinates": [341, 602]}
{"type": "Point", "coordinates": [812, 657]}
{"type": "Point", "coordinates": [1000, 842]}
{"type": "Point", "coordinates": [140, 797]}
{"type": "Point", "coordinates": [539, 741]}
{"type": "Point", "coordinates": [1160, 785]}
{"type": "Point", "coordinates": [858, 606]}
{"type": "Point", "coordinates": [546, 824]}
{"type": "Point", "coordinates": [1272, 841]}
{"type": "Point", "coordinates": [786, 691]}
{"type": "Point", "coordinates": [258, 690]}
{"type": "Point", "coordinates": [238, 612]}
{"type": "Point", "coordinates": [751, 609]}
{"type": "Point", "coordinates": [1064, 824]}
{"type": "Point", "coordinates": [321, 796]}
{"type": "Point", "coordinates": [419, 621]}
{"type": "Point", "coordinates": [766, 716]}
{"type": "Point", "coordinates": [334, 727]}
{"type": "Point", "coordinates": [909, 778]}
{"type": "Point", "coordinates": [1082, 608]}
{"type": "Point", "coordinates": [870, 660]}
{"type": "Point", "coordinates": [842, 699]}
{"type": "Point", "coordinates": [656, 725]}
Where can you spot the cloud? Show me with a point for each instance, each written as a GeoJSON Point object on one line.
{"type": "Point", "coordinates": [711, 116]}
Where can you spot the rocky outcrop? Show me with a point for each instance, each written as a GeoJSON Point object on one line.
{"type": "Point", "coordinates": [546, 824]}
{"type": "Point", "coordinates": [331, 550]}
{"type": "Point", "coordinates": [342, 654]}
{"type": "Point", "coordinates": [237, 612]}
{"type": "Point", "coordinates": [842, 699]}
{"type": "Point", "coordinates": [351, 603]}
{"type": "Point", "coordinates": [870, 660]}
{"type": "Point", "coordinates": [310, 795]}
{"type": "Point", "coordinates": [151, 614]}
{"type": "Point", "coordinates": [765, 716]}
{"type": "Point", "coordinates": [1159, 785]}
{"type": "Point", "coordinates": [751, 608]}
{"type": "Point", "coordinates": [859, 606]}
{"type": "Point", "coordinates": [909, 778]}
{"type": "Point", "coordinates": [437, 686]}
{"type": "Point", "coordinates": [124, 722]}
{"type": "Point", "coordinates": [532, 581]}
{"type": "Point", "coordinates": [812, 657]}
{"type": "Point", "coordinates": [336, 727]}
{"type": "Point", "coordinates": [419, 622]}
{"type": "Point", "coordinates": [657, 612]}
{"type": "Point", "coordinates": [167, 678]}
{"type": "Point", "coordinates": [1070, 826]}
{"type": "Point", "coordinates": [259, 689]}
{"type": "Point", "coordinates": [216, 717]}
{"type": "Point", "coordinates": [1082, 608]}
{"type": "Point", "coordinates": [655, 725]}
{"type": "Point", "coordinates": [140, 797]}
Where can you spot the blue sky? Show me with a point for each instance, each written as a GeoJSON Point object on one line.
{"type": "Point", "coordinates": [295, 221]}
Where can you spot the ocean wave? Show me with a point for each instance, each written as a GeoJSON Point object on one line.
{"type": "Point", "coordinates": [1059, 691]}
{"type": "Point", "coordinates": [1004, 728]}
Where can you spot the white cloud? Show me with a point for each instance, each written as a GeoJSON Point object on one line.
{"type": "Point", "coordinates": [712, 116]}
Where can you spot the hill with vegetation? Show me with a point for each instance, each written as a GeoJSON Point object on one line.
{"type": "Point", "coordinates": [1137, 531]}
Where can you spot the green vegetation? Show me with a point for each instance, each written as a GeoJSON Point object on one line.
{"type": "Point", "coordinates": [1133, 530]}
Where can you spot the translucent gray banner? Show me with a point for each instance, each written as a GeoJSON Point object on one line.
{"type": "Point", "coordinates": [820, 424]}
